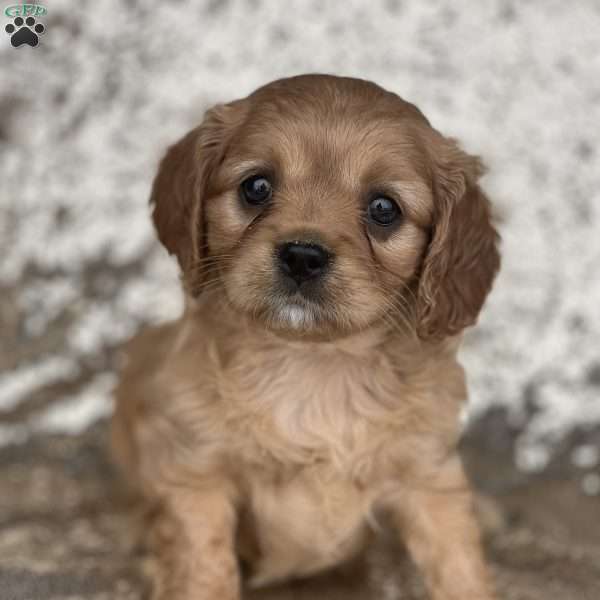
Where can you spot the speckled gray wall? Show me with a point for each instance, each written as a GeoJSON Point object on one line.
{"type": "Point", "coordinates": [85, 115]}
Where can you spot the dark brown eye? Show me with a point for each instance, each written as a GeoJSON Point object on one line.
{"type": "Point", "coordinates": [382, 211]}
{"type": "Point", "coordinates": [256, 190]}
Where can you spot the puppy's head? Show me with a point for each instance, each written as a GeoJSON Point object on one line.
{"type": "Point", "coordinates": [323, 205]}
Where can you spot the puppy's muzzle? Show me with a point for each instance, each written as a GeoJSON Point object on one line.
{"type": "Point", "coordinates": [300, 262]}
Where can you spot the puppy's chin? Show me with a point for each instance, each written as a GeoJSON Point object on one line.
{"type": "Point", "coordinates": [294, 314]}
{"type": "Point", "coordinates": [320, 310]}
{"type": "Point", "coordinates": [295, 317]}
{"type": "Point", "coordinates": [291, 315]}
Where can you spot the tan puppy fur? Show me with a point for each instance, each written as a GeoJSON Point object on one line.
{"type": "Point", "coordinates": [276, 427]}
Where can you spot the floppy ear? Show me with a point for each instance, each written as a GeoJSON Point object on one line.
{"type": "Point", "coordinates": [462, 259]}
{"type": "Point", "coordinates": [181, 184]}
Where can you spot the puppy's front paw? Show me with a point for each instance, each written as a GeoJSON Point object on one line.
{"type": "Point", "coordinates": [193, 542]}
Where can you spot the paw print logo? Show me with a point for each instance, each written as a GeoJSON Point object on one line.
{"type": "Point", "coordinates": [24, 31]}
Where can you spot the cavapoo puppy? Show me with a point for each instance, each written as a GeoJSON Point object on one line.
{"type": "Point", "coordinates": [333, 246]}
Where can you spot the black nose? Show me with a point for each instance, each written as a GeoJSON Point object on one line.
{"type": "Point", "coordinates": [302, 261]}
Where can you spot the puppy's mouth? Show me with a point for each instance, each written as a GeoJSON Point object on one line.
{"type": "Point", "coordinates": [293, 288]}
{"type": "Point", "coordinates": [299, 297]}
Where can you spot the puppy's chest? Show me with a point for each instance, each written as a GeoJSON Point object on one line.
{"type": "Point", "coordinates": [303, 524]}
{"type": "Point", "coordinates": [308, 407]}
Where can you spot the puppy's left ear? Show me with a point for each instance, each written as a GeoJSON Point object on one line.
{"type": "Point", "coordinates": [182, 183]}
{"type": "Point", "coordinates": [462, 259]}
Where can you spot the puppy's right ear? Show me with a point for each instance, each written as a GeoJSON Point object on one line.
{"type": "Point", "coordinates": [182, 181]}
{"type": "Point", "coordinates": [463, 258]}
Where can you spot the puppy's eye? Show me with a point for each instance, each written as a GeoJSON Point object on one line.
{"type": "Point", "coordinates": [256, 190]}
{"type": "Point", "coordinates": [382, 211]}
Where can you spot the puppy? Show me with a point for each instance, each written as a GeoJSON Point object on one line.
{"type": "Point", "coordinates": [333, 246]}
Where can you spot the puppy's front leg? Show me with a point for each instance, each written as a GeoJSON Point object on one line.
{"type": "Point", "coordinates": [194, 538]}
{"type": "Point", "coordinates": [437, 523]}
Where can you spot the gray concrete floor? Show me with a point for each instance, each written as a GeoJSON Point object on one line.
{"type": "Point", "coordinates": [67, 531]}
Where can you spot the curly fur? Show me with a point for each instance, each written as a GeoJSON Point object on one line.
{"type": "Point", "coordinates": [277, 433]}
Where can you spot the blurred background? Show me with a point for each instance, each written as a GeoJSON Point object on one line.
{"type": "Point", "coordinates": [85, 116]}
